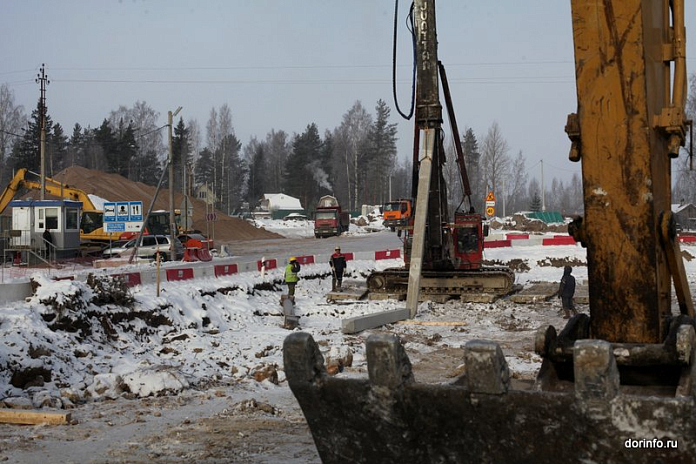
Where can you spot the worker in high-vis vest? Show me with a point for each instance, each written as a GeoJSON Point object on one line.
{"type": "Point", "coordinates": [291, 277]}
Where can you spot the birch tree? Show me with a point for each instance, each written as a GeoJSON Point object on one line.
{"type": "Point", "coordinates": [12, 119]}
{"type": "Point", "coordinates": [496, 161]}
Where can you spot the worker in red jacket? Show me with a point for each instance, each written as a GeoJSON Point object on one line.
{"type": "Point", "coordinates": [338, 265]}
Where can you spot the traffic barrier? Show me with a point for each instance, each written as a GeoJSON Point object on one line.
{"type": "Point", "coordinates": [309, 259]}
{"type": "Point", "coordinates": [387, 254]}
{"type": "Point", "coordinates": [517, 236]}
{"type": "Point", "coordinates": [202, 272]}
{"type": "Point", "coordinates": [131, 278]}
{"type": "Point", "coordinates": [559, 240]}
{"type": "Point", "coordinates": [497, 243]}
{"type": "Point", "coordinates": [268, 264]}
{"type": "Point", "coordinates": [179, 274]}
{"type": "Point", "coordinates": [225, 269]}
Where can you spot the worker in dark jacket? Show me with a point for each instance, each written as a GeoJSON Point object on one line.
{"type": "Point", "coordinates": [48, 239]}
{"type": "Point", "coordinates": [566, 291]}
{"type": "Point", "coordinates": [338, 265]}
{"type": "Point", "coordinates": [291, 277]}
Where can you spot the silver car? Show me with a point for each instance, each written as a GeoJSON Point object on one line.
{"type": "Point", "coordinates": [150, 247]}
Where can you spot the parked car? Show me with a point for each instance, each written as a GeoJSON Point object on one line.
{"type": "Point", "coordinates": [295, 217]}
{"type": "Point", "coordinates": [150, 246]}
{"type": "Point", "coordinates": [205, 241]}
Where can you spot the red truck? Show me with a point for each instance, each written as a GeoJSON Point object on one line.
{"type": "Point", "coordinates": [329, 219]}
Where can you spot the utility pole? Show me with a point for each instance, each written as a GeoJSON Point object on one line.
{"type": "Point", "coordinates": [543, 189]}
{"type": "Point", "coordinates": [172, 220]}
{"type": "Point", "coordinates": [42, 78]}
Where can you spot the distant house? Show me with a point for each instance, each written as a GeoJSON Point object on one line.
{"type": "Point", "coordinates": [685, 215]}
{"type": "Point", "coordinates": [205, 193]}
{"type": "Point", "coordinates": [280, 205]}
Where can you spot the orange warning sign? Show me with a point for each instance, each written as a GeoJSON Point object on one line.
{"type": "Point", "coordinates": [490, 196]}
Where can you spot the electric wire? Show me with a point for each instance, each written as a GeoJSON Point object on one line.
{"type": "Point", "coordinates": [413, 78]}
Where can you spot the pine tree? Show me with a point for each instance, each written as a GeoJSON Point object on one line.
{"type": "Point", "coordinates": [299, 178]}
{"type": "Point", "coordinates": [26, 152]}
{"type": "Point", "coordinates": [382, 154]}
{"type": "Point", "coordinates": [181, 156]}
{"type": "Point", "coordinates": [535, 205]}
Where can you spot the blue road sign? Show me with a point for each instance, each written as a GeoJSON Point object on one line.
{"type": "Point", "coordinates": [109, 212]}
{"type": "Point", "coordinates": [136, 210]}
{"type": "Point", "coordinates": [122, 213]}
{"type": "Point", "coordinates": [115, 226]}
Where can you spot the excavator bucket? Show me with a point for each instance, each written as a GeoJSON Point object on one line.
{"type": "Point", "coordinates": [392, 418]}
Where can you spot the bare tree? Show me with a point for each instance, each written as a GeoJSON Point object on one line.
{"type": "Point", "coordinates": [12, 119]}
{"type": "Point", "coordinates": [213, 138]}
{"type": "Point", "coordinates": [143, 119]}
{"type": "Point", "coordinates": [516, 184]}
{"type": "Point", "coordinates": [353, 136]}
{"type": "Point", "coordinates": [685, 187]}
{"type": "Point", "coordinates": [194, 137]}
{"type": "Point", "coordinates": [496, 162]}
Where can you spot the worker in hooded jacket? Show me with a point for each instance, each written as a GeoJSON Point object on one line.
{"type": "Point", "coordinates": [291, 277]}
{"type": "Point", "coordinates": [566, 291]}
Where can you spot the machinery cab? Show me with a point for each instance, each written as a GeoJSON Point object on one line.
{"type": "Point", "coordinates": [468, 233]}
{"type": "Point", "coordinates": [397, 213]}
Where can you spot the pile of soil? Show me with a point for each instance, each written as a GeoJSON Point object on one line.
{"type": "Point", "coordinates": [113, 187]}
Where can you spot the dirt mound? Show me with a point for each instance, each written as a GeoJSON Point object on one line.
{"type": "Point", "coordinates": [113, 187]}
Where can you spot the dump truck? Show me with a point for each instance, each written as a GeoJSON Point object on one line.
{"type": "Point", "coordinates": [397, 213]}
{"type": "Point", "coordinates": [329, 219]}
{"type": "Point", "coordinates": [617, 386]}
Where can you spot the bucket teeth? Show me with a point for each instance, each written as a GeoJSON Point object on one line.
{"type": "Point", "coordinates": [388, 364]}
{"type": "Point", "coordinates": [486, 368]}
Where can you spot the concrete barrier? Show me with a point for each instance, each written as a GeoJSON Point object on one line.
{"type": "Point", "coordinates": [559, 240]}
{"type": "Point", "coordinates": [15, 292]}
{"type": "Point", "coordinates": [179, 274]}
{"type": "Point", "coordinates": [387, 254]}
{"type": "Point", "coordinates": [132, 278]}
{"type": "Point", "coordinates": [497, 244]}
{"type": "Point", "coordinates": [225, 269]}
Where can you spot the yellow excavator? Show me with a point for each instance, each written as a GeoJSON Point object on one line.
{"type": "Point", "coordinates": [617, 386]}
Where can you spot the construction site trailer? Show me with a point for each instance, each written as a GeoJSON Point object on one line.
{"type": "Point", "coordinates": [30, 218]}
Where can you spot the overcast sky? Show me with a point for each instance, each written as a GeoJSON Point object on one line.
{"type": "Point", "coordinates": [285, 64]}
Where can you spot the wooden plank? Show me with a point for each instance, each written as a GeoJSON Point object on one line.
{"type": "Point", "coordinates": [433, 323]}
{"type": "Point", "coordinates": [22, 416]}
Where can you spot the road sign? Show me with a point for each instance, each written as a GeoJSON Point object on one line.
{"type": "Point", "coordinates": [490, 197]}
{"type": "Point", "coordinates": [109, 212]}
{"type": "Point", "coordinates": [135, 209]}
{"type": "Point", "coordinates": [123, 216]}
{"type": "Point", "coordinates": [115, 226]}
{"type": "Point", "coordinates": [490, 211]}
{"type": "Point", "coordinates": [122, 213]}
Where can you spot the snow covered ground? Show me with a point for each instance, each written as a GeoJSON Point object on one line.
{"type": "Point", "coordinates": [67, 341]}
